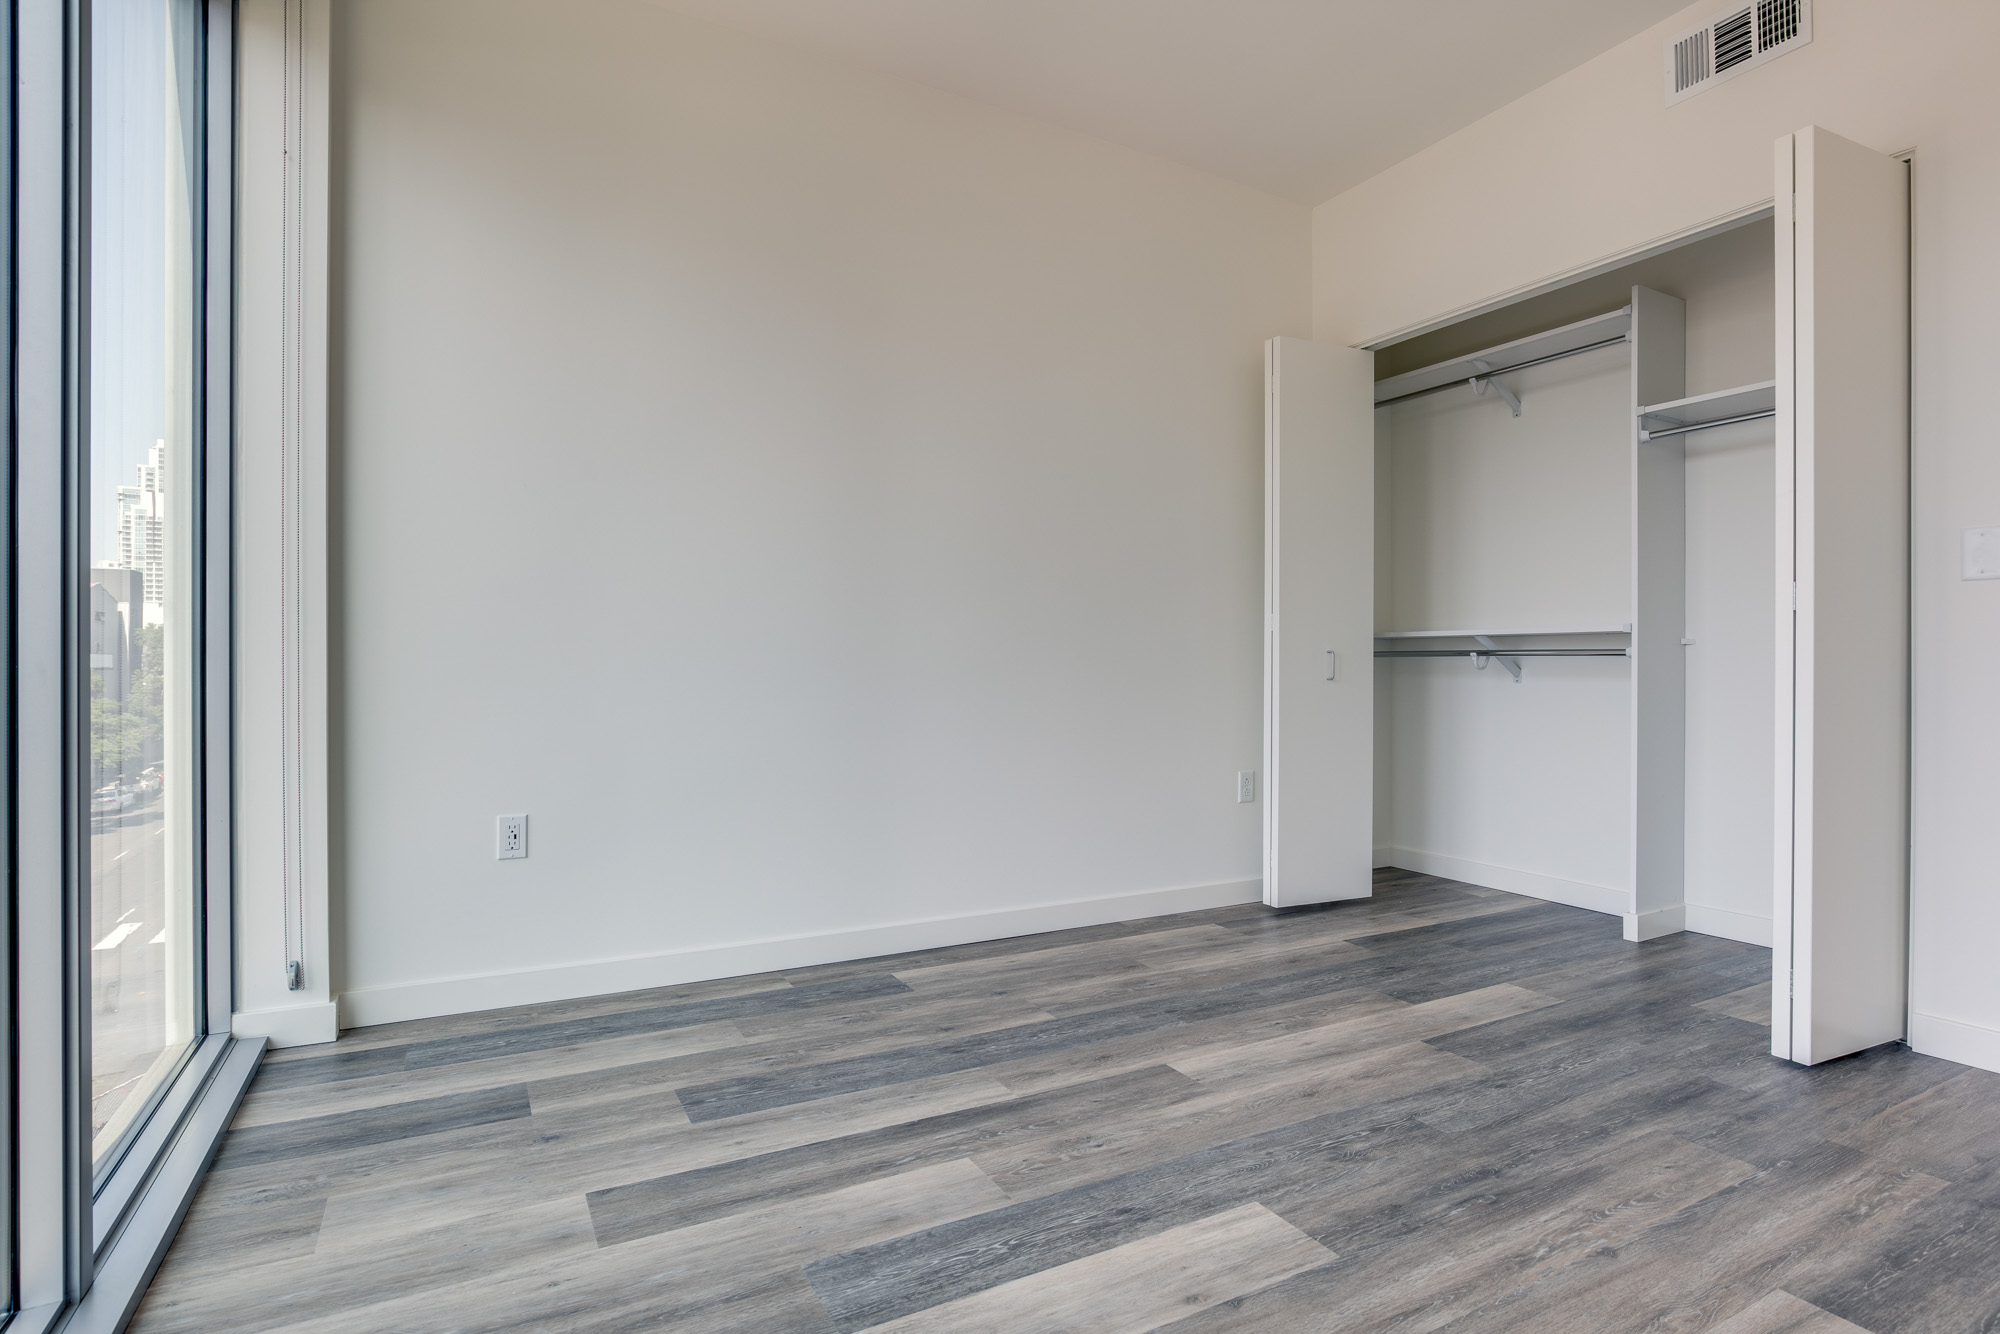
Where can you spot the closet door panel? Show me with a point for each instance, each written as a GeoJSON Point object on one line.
{"type": "Point", "coordinates": [1841, 914]}
{"type": "Point", "coordinates": [1319, 622]}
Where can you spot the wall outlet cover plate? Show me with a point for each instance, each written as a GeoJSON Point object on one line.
{"type": "Point", "coordinates": [1982, 553]}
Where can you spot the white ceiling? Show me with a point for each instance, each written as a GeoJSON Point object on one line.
{"type": "Point", "coordinates": [1299, 97]}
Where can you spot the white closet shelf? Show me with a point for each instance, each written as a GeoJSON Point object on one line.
{"type": "Point", "coordinates": [1747, 403]}
{"type": "Point", "coordinates": [1500, 634]}
{"type": "Point", "coordinates": [1612, 327]}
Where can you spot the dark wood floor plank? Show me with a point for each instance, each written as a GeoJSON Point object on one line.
{"type": "Point", "coordinates": [1556, 1073]}
{"type": "Point", "coordinates": [1789, 1107]}
{"type": "Point", "coordinates": [1951, 1129]}
{"type": "Point", "coordinates": [256, 1145]}
{"type": "Point", "coordinates": [1722, 1255]}
{"type": "Point", "coordinates": [1937, 1268]}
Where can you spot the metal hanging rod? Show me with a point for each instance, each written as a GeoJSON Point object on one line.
{"type": "Point", "coordinates": [1502, 370]}
{"type": "Point", "coordinates": [1703, 426]}
{"type": "Point", "coordinates": [1503, 653]}
{"type": "Point", "coordinates": [1510, 658]}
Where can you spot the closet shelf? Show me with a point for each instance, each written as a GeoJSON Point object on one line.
{"type": "Point", "coordinates": [1598, 331]}
{"type": "Point", "coordinates": [1751, 402]}
{"type": "Point", "coordinates": [1500, 634]}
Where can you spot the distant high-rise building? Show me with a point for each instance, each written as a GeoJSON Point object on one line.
{"type": "Point", "coordinates": [142, 530]}
{"type": "Point", "coordinates": [111, 631]}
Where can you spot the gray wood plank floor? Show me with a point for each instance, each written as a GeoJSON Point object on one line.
{"type": "Point", "coordinates": [1445, 1108]}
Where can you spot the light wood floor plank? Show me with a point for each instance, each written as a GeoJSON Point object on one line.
{"type": "Point", "coordinates": [1159, 1046]}
{"type": "Point", "coordinates": [491, 1021]}
{"type": "Point", "coordinates": [1238, 1110]}
{"type": "Point", "coordinates": [1135, 1287]}
{"type": "Point", "coordinates": [1751, 1004]}
{"type": "Point", "coordinates": [1782, 1313]}
{"type": "Point", "coordinates": [1218, 1063]}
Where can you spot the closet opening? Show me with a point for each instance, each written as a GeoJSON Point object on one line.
{"type": "Point", "coordinates": [1575, 575]}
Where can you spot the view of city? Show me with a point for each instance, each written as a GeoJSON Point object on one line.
{"type": "Point", "coordinates": [144, 951]}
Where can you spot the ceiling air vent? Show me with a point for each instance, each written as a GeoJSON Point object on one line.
{"type": "Point", "coordinates": [1742, 37]}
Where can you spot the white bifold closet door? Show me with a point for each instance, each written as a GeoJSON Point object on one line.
{"type": "Point", "coordinates": [1840, 918]}
{"type": "Point", "coordinates": [1319, 622]}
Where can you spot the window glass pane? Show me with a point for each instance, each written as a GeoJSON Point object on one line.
{"type": "Point", "coordinates": [141, 615]}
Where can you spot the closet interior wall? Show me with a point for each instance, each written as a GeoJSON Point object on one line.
{"type": "Point", "coordinates": [1487, 522]}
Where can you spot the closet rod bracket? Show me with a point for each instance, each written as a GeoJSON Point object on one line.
{"type": "Point", "coordinates": [1479, 385]}
{"type": "Point", "coordinates": [1479, 660]}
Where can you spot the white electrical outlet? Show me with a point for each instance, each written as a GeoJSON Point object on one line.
{"type": "Point", "coordinates": [510, 836]}
{"type": "Point", "coordinates": [1982, 553]}
{"type": "Point", "coordinates": [1246, 786]}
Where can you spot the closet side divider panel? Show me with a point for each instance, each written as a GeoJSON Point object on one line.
{"type": "Point", "coordinates": [1659, 621]}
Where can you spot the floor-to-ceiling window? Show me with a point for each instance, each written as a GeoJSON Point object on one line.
{"type": "Point", "coordinates": [121, 1073]}
{"type": "Point", "coordinates": [143, 617]}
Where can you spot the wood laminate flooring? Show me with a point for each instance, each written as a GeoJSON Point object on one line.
{"type": "Point", "coordinates": [1445, 1108]}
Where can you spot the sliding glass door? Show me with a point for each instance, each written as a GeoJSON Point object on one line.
{"type": "Point", "coordinates": [143, 617]}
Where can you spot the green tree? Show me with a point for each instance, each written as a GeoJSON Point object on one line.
{"type": "Point", "coordinates": [117, 736]}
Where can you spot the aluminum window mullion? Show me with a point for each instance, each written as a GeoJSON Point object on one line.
{"type": "Point", "coordinates": [53, 1167]}
{"type": "Point", "coordinates": [74, 509]}
{"type": "Point", "coordinates": [218, 520]}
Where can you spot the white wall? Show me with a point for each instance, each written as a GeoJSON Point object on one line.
{"type": "Point", "coordinates": [822, 504]}
{"type": "Point", "coordinates": [1500, 522]}
{"type": "Point", "coordinates": [1593, 165]}
{"type": "Point", "coordinates": [1728, 285]}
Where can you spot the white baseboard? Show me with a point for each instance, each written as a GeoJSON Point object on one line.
{"type": "Point", "coordinates": [1729, 924]}
{"type": "Point", "coordinates": [1575, 893]}
{"type": "Point", "coordinates": [1953, 1040]}
{"type": "Point", "coordinates": [288, 1026]}
{"type": "Point", "coordinates": [1659, 922]}
{"type": "Point", "coordinates": [493, 991]}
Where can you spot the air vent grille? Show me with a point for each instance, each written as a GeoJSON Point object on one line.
{"type": "Point", "coordinates": [1777, 22]}
{"type": "Point", "coordinates": [1691, 64]}
{"type": "Point", "coordinates": [1733, 42]}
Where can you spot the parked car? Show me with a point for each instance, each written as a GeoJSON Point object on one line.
{"type": "Point", "coordinates": [111, 798]}
{"type": "Point", "coordinates": [152, 780]}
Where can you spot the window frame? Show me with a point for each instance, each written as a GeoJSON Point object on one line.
{"type": "Point", "coordinates": [83, 1247]}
